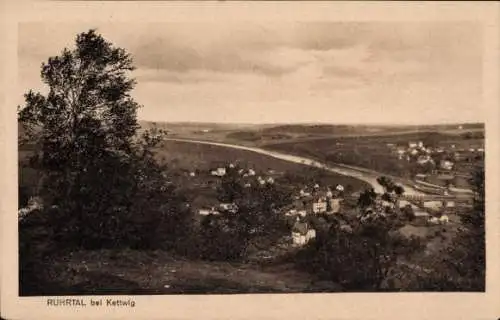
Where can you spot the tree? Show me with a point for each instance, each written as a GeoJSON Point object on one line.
{"type": "Point", "coordinates": [97, 170]}
{"type": "Point", "coordinates": [257, 218]}
{"type": "Point", "coordinates": [468, 255]}
{"type": "Point", "coordinates": [461, 265]}
{"type": "Point", "coordinates": [358, 258]}
{"type": "Point", "coordinates": [367, 198]}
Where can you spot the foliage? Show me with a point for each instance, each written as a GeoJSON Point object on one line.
{"type": "Point", "coordinates": [367, 198]}
{"type": "Point", "coordinates": [361, 256]}
{"type": "Point", "coordinates": [228, 235]}
{"type": "Point", "coordinates": [98, 174]}
{"type": "Point", "coordinates": [461, 266]}
{"type": "Point", "coordinates": [359, 259]}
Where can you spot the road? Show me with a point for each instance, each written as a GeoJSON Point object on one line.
{"type": "Point", "coordinates": [368, 176]}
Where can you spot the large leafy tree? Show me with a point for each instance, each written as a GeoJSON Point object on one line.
{"type": "Point", "coordinates": [96, 169]}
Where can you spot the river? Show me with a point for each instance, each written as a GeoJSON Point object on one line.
{"type": "Point", "coordinates": [368, 177]}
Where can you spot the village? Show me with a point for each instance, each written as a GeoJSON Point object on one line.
{"type": "Point", "coordinates": [229, 172]}
{"type": "Point", "coordinates": [439, 166]}
{"type": "Point", "coordinates": [320, 201]}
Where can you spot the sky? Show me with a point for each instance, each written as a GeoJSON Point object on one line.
{"type": "Point", "coordinates": [286, 72]}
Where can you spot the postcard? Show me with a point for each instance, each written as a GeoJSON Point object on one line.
{"type": "Point", "coordinates": [225, 160]}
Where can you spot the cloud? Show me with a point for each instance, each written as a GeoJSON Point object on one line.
{"type": "Point", "coordinates": [286, 71]}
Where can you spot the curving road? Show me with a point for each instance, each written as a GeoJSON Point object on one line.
{"type": "Point", "coordinates": [367, 176]}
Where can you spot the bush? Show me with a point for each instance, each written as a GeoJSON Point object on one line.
{"type": "Point", "coordinates": [358, 260]}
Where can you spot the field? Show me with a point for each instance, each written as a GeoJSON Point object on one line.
{"type": "Point", "coordinates": [262, 134]}
{"type": "Point", "coordinates": [183, 157]}
{"type": "Point", "coordinates": [374, 152]}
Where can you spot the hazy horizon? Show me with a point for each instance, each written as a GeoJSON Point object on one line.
{"type": "Point", "coordinates": [377, 73]}
{"type": "Point", "coordinates": [387, 124]}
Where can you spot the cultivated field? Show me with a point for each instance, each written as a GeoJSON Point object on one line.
{"type": "Point", "coordinates": [262, 134]}
{"type": "Point", "coordinates": [375, 152]}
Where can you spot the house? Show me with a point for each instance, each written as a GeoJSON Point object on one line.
{"type": "Point", "coordinates": [251, 172]}
{"type": "Point", "coordinates": [206, 212]}
{"type": "Point", "coordinates": [401, 150]}
{"type": "Point", "coordinates": [231, 207]}
{"type": "Point", "coordinates": [302, 193]}
{"type": "Point", "coordinates": [420, 144]}
{"type": "Point", "coordinates": [335, 205]}
{"type": "Point", "coordinates": [192, 174]}
{"type": "Point", "coordinates": [412, 144]}
{"type": "Point", "coordinates": [219, 172]}
{"type": "Point", "coordinates": [319, 206]}
{"type": "Point", "coordinates": [261, 181]}
{"type": "Point", "coordinates": [445, 164]}
{"type": "Point", "coordinates": [420, 176]}
{"type": "Point", "coordinates": [301, 233]}
{"type": "Point", "coordinates": [302, 213]}
{"type": "Point", "coordinates": [424, 159]}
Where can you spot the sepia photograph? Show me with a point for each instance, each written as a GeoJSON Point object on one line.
{"type": "Point", "coordinates": [243, 157]}
{"type": "Point", "coordinates": [234, 159]}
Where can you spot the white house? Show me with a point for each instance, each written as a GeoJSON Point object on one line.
{"type": "Point", "coordinates": [319, 206]}
{"type": "Point", "coordinates": [231, 207]}
{"type": "Point", "coordinates": [251, 172]}
{"type": "Point", "coordinates": [412, 144]}
{"type": "Point", "coordinates": [400, 150]}
{"type": "Point", "coordinates": [206, 212]}
{"type": "Point", "coordinates": [444, 219]}
{"type": "Point", "coordinates": [311, 234]}
{"type": "Point", "coordinates": [445, 164]}
{"type": "Point", "coordinates": [301, 233]}
{"type": "Point", "coordinates": [219, 172]}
